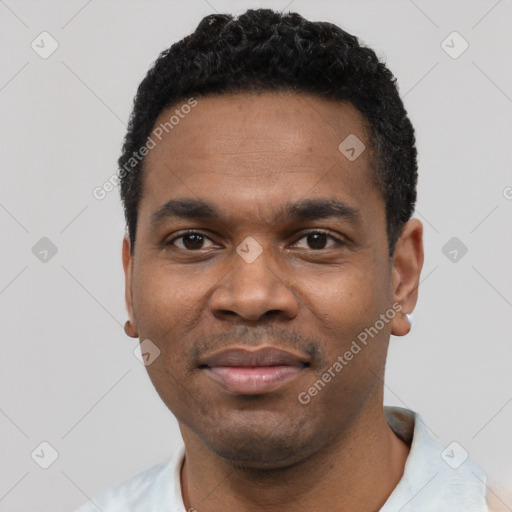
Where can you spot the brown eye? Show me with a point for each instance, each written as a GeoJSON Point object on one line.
{"type": "Point", "coordinates": [193, 241]}
{"type": "Point", "coordinates": [190, 241]}
{"type": "Point", "coordinates": [318, 240]}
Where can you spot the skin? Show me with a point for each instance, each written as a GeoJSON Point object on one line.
{"type": "Point", "coordinates": [249, 154]}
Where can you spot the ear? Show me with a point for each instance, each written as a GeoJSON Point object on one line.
{"type": "Point", "coordinates": [407, 264]}
{"type": "Point", "coordinates": [128, 271]}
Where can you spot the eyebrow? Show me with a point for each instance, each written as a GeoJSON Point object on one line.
{"type": "Point", "coordinates": [302, 210]}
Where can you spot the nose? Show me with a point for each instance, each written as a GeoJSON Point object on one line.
{"type": "Point", "coordinates": [252, 289]}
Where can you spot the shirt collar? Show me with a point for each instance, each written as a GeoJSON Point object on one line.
{"type": "Point", "coordinates": [428, 483]}
{"type": "Point", "coordinates": [435, 478]}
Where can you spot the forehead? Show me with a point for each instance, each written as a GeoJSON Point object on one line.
{"type": "Point", "coordinates": [256, 150]}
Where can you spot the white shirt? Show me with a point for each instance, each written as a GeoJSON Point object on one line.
{"type": "Point", "coordinates": [435, 479]}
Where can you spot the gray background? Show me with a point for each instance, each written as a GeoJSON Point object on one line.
{"type": "Point", "coordinates": [68, 372]}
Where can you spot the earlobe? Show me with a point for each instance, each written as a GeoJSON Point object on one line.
{"type": "Point", "coordinates": [400, 325]}
{"type": "Point", "coordinates": [130, 327]}
{"type": "Point", "coordinates": [130, 330]}
{"type": "Point", "coordinates": [407, 265]}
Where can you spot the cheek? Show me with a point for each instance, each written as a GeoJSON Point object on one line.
{"type": "Point", "coordinates": [345, 309]}
{"type": "Point", "coordinates": [169, 303]}
{"type": "Point", "coordinates": [166, 299]}
{"type": "Point", "coordinates": [345, 295]}
{"type": "Point", "coordinates": [344, 304]}
{"type": "Point", "coordinates": [176, 387]}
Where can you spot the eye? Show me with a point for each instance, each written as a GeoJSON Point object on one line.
{"type": "Point", "coordinates": [318, 239]}
{"type": "Point", "coordinates": [194, 240]}
{"type": "Point", "coordinates": [190, 241]}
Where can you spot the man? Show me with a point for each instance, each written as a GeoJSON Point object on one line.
{"type": "Point", "coordinates": [268, 178]}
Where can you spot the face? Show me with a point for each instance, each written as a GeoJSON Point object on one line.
{"type": "Point", "coordinates": [256, 232]}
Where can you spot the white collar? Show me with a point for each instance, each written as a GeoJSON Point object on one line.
{"type": "Point", "coordinates": [429, 483]}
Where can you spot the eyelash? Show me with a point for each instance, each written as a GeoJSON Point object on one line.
{"type": "Point", "coordinates": [314, 231]}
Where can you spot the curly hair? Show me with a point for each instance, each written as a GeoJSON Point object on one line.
{"type": "Point", "coordinates": [263, 50]}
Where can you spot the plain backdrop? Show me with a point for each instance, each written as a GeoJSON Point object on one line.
{"type": "Point", "coordinates": [68, 374]}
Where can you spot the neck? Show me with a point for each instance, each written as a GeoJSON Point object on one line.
{"type": "Point", "coordinates": [358, 472]}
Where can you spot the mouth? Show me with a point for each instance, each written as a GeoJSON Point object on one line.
{"type": "Point", "coordinates": [252, 372]}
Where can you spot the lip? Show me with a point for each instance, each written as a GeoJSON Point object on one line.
{"type": "Point", "coordinates": [256, 371]}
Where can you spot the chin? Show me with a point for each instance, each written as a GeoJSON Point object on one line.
{"type": "Point", "coordinates": [258, 448]}
{"type": "Point", "coordinates": [258, 455]}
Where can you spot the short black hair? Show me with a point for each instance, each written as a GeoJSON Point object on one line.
{"type": "Point", "coordinates": [264, 50]}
